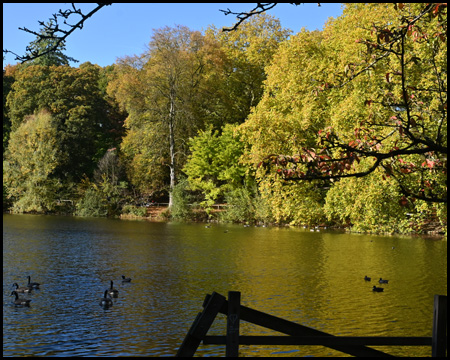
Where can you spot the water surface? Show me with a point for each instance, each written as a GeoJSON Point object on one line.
{"type": "Point", "coordinates": [313, 278]}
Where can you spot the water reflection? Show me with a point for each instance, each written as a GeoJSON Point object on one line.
{"type": "Point", "coordinates": [316, 279]}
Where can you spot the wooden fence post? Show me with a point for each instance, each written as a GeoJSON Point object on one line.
{"type": "Point", "coordinates": [439, 339]}
{"type": "Point", "coordinates": [201, 325]}
{"type": "Point", "coordinates": [234, 304]}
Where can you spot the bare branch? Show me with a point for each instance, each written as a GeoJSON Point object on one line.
{"type": "Point", "coordinates": [242, 16]}
{"type": "Point", "coordinates": [50, 31]}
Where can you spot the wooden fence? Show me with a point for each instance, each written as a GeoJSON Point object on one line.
{"type": "Point", "coordinates": [299, 334]}
{"type": "Point", "coordinates": [155, 204]}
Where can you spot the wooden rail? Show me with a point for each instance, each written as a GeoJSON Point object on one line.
{"type": "Point", "coordinates": [298, 334]}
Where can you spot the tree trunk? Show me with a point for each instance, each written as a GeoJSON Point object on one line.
{"type": "Point", "coordinates": [172, 145]}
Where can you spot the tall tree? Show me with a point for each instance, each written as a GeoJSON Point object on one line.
{"type": "Point", "coordinates": [283, 122]}
{"type": "Point", "coordinates": [248, 51]}
{"type": "Point", "coordinates": [161, 90]}
{"type": "Point", "coordinates": [8, 80]}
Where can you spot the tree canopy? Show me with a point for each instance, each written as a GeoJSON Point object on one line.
{"type": "Point", "coordinates": [343, 126]}
{"type": "Point", "coordinates": [375, 91]}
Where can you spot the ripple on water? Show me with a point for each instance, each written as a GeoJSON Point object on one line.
{"type": "Point", "coordinates": [315, 279]}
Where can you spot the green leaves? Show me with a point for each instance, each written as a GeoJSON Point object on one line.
{"type": "Point", "coordinates": [213, 166]}
{"type": "Point", "coordinates": [30, 162]}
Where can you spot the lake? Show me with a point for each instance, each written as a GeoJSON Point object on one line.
{"type": "Point", "coordinates": [312, 278]}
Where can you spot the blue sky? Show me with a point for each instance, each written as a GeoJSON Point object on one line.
{"type": "Point", "coordinates": [124, 29]}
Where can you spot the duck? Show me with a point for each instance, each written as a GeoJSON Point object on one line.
{"type": "Point", "coordinates": [125, 279]}
{"type": "Point", "coordinates": [22, 289]}
{"type": "Point", "coordinates": [381, 281]}
{"type": "Point", "coordinates": [20, 301]}
{"type": "Point", "coordinates": [106, 301]}
{"type": "Point", "coordinates": [377, 289]}
{"type": "Point", "coordinates": [113, 292]}
{"type": "Point", "coordinates": [367, 278]}
{"type": "Point", "coordinates": [33, 285]}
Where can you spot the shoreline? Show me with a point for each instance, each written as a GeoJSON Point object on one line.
{"type": "Point", "coordinates": [157, 217]}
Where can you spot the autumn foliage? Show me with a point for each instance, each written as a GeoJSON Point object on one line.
{"type": "Point", "coordinates": [383, 98]}
{"type": "Point", "coordinates": [345, 126]}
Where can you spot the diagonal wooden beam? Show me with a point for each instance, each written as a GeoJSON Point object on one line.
{"type": "Point", "coordinates": [201, 325]}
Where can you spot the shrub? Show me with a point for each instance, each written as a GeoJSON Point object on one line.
{"type": "Point", "coordinates": [92, 204]}
{"type": "Point", "coordinates": [135, 210]}
{"type": "Point", "coordinates": [181, 210]}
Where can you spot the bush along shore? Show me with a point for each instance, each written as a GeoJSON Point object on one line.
{"type": "Point", "coordinates": [220, 213]}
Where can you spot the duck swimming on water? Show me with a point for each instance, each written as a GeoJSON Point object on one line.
{"type": "Point", "coordinates": [113, 292]}
{"type": "Point", "coordinates": [125, 279]}
{"type": "Point", "coordinates": [381, 281]}
{"type": "Point", "coordinates": [367, 278]}
{"type": "Point", "coordinates": [377, 289]}
{"type": "Point", "coordinates": [33, 285]}
{"type": "Point", "coordinates": [22, 289]}
{"type": "Point", "coordinates": [106, 301]}
{"type": "Point", "coordinates": [20, 301]}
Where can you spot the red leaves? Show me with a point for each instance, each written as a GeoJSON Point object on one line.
{"type": "Point", "coordinates": [429, 163]}
{"type": "Point", "coordinates": [353, 144]}
{"type": "Point", "coordinates": [436, 9]}
{"type": "Point", "coordinates": [405, 170]}
{"type": "Point", "coordinates": [288, 173]}
{"type": "Point", "coordinates": [384, 35]}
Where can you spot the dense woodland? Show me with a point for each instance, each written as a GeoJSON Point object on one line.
{"type": "Point", "coordinates": [343, 127]}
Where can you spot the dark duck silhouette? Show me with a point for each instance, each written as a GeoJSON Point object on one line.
{"type": "Point", "coordinates": [33, 285]}
{"type": "Point", "coordinates": [377, 289]}
{"type": "Point", "coordinates": [106, 300]}
{"type": "Point", "coordinates": [125, 279]}
{"type": "Point", "coordinates": [367, 278]}
{"type": "Point", "coordinates": [113, 292]}
{"type": "Point", "coordinates": [381, 281]}
{"type": "Point", "coordinates": [20, 301]}
{"type": "Point", "coordinates": [22, 289]}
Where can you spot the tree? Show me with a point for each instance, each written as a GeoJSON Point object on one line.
{"type": "Point", "coordinates": [248, 51]}
{"type": "Point", "coordinates": [282, 122]}
{"type": "Point", "coordinates": [8, 80]}
{"type": "Point", "coordinates": [105, 195]}
{"type": "Point", "coordinates": [388, 80]}
{"type": "Point", "coordinates": [73, 98]}
{"type": "Point", "coordinates": [163, 92]}
{"type": "Point", "coordinates": [50, 50]}
{"type": "Point", "coordinates": [31, 160]}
